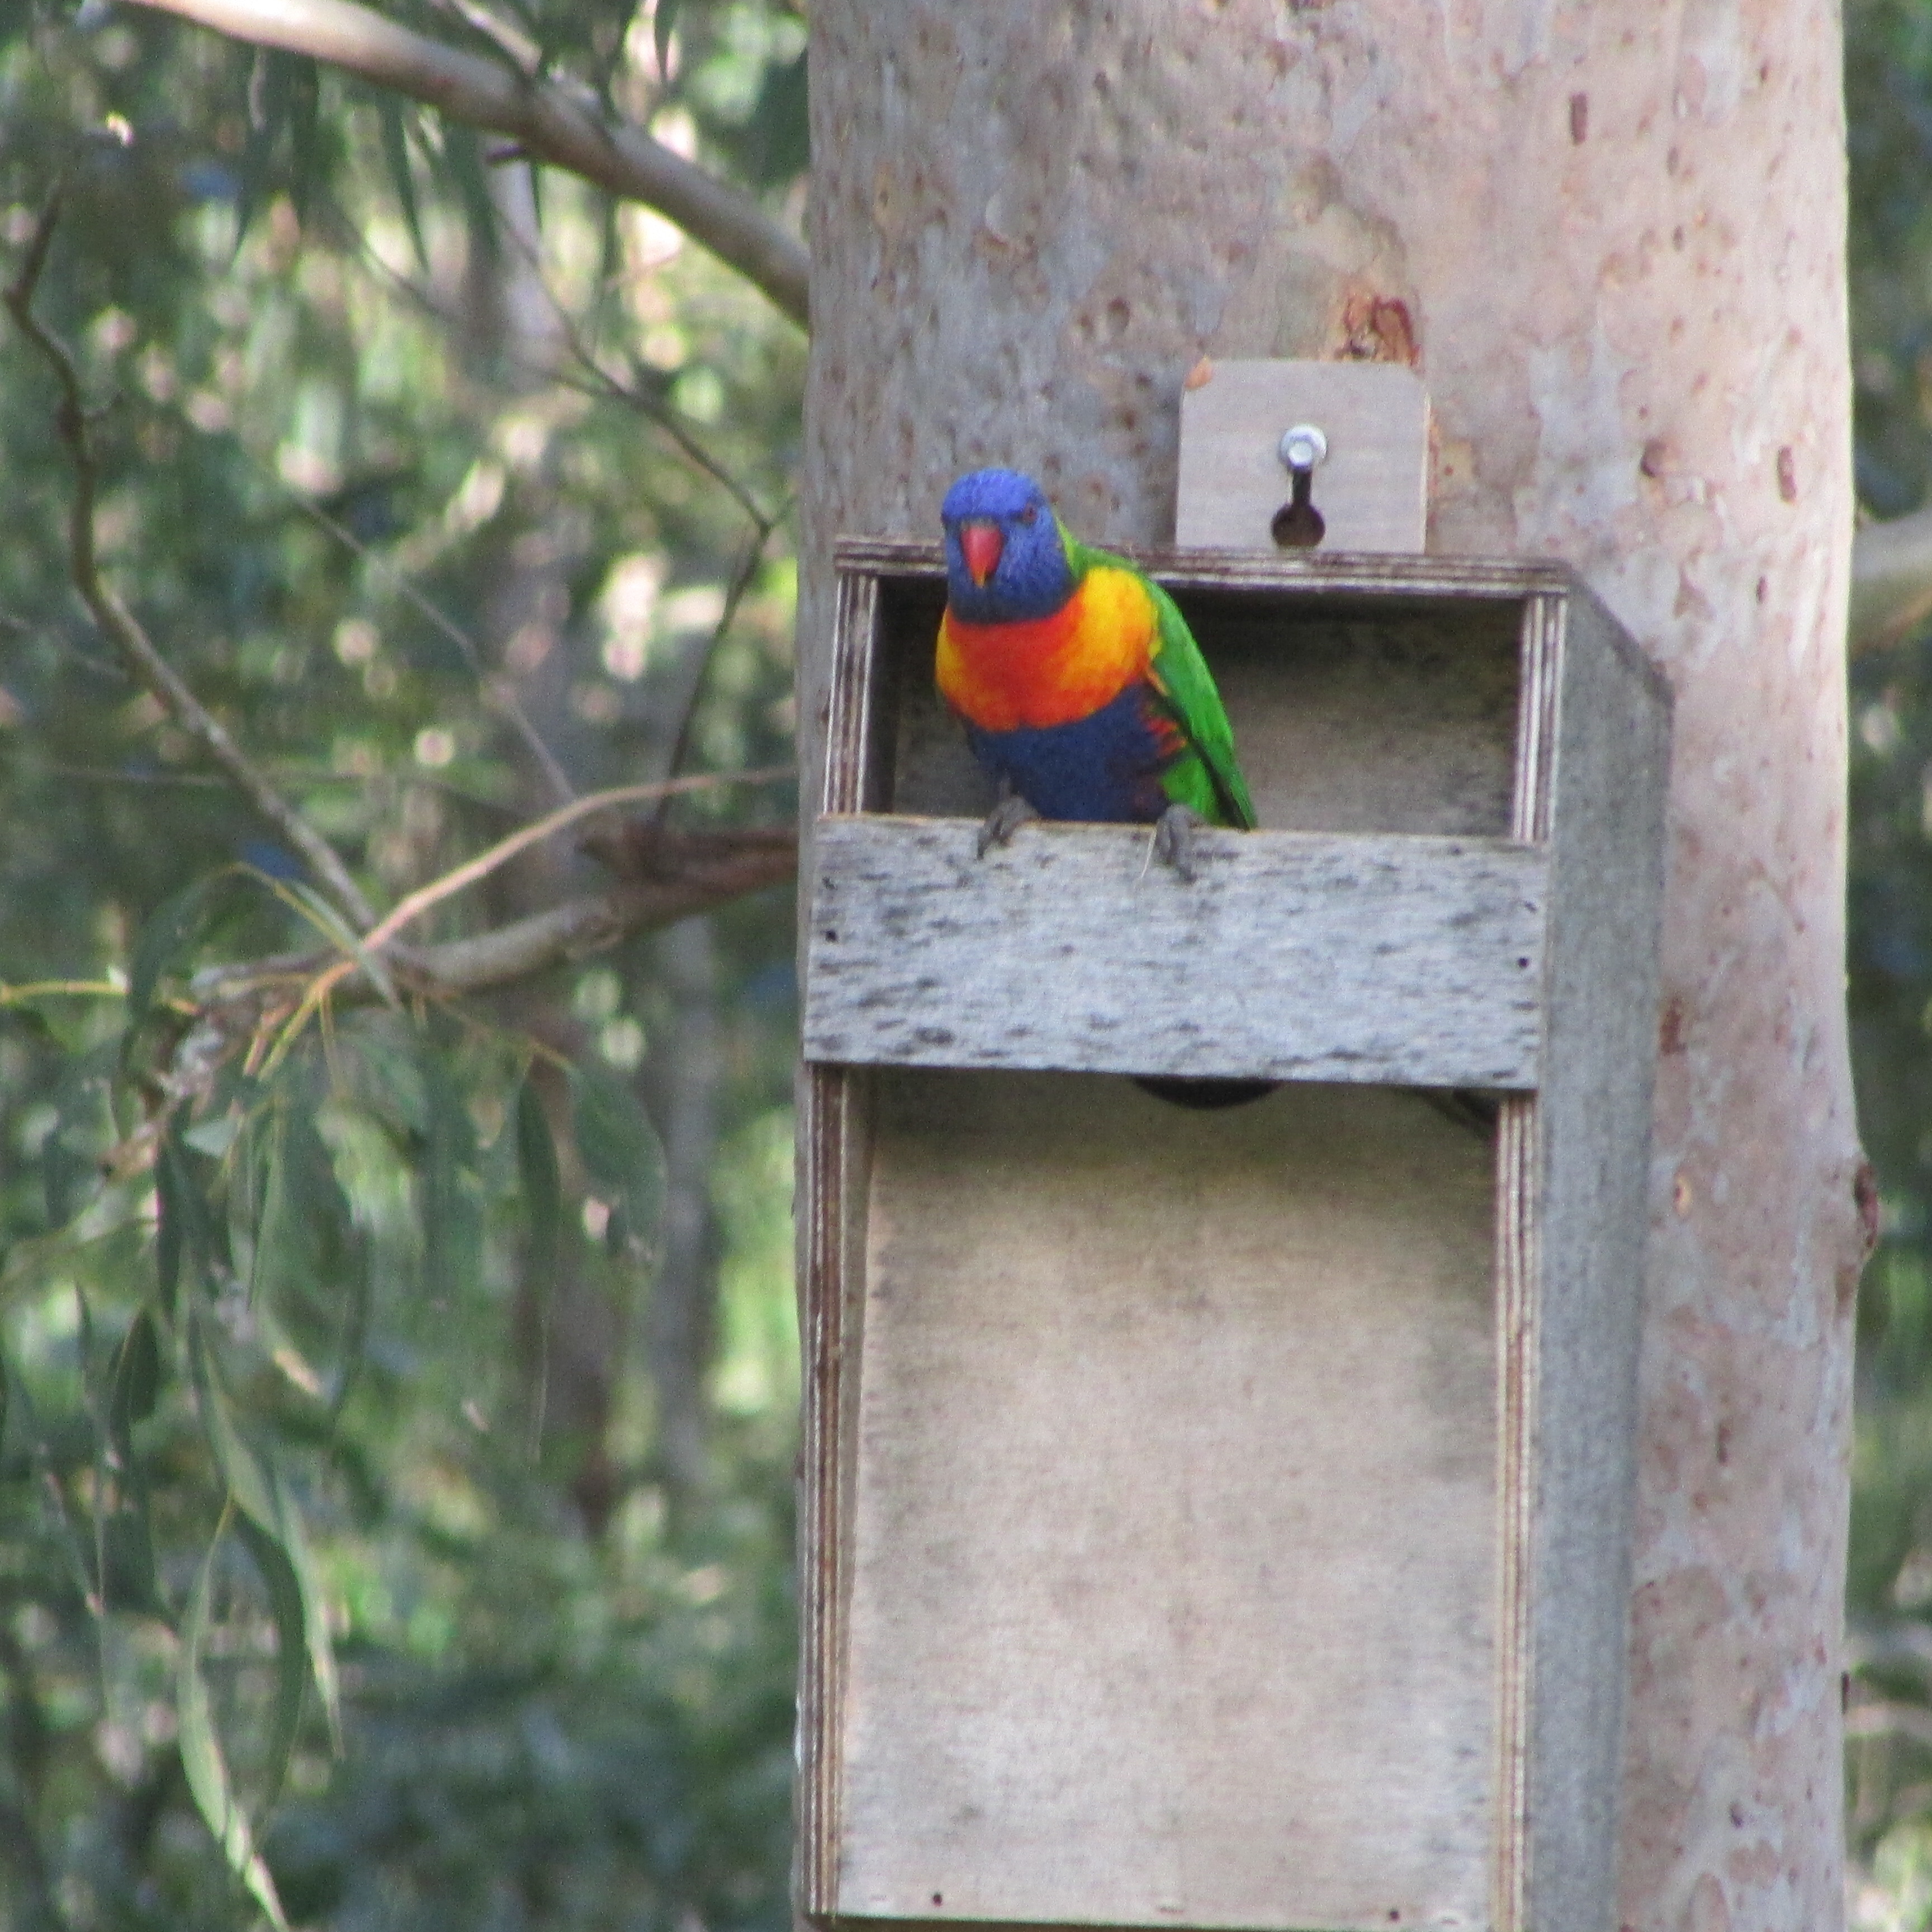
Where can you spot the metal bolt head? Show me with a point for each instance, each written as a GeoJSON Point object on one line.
{"type": "Point", "coordinates": [1303, 447]}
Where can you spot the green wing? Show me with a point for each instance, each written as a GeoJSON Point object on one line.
{"type": "Point", "coordinates": [1184, 688]}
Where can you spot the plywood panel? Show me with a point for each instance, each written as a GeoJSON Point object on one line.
{"type": "Point", "coordinates": [1172, 1569]}
{"type": "Point", "coordinates": [1373, 490]}
{"type": "Point", "coordinates": [1403, 959]}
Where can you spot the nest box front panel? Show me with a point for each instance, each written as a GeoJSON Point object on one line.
{"type": "Point", "coordinates": [1172, 1569]}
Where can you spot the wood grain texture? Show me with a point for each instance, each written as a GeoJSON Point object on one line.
{"type": "Point", "coordinates": [1172, 1584]}
{"type": "Point", "coordinates": [1372, 489]}
{"type": "Point", "coordinates": [1404, 960]}
{"type": "Point", "coordinates": [1611, 750]}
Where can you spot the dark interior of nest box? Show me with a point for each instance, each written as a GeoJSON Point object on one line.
{"type": "Point", "coordinates": [1169, 1595]}
{"type": "Point", "coordinates": [1388, 714]}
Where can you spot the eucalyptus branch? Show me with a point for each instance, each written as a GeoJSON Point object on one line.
{"type": "Point", "coordinates": [548, 119]}
{"type": "Point", "coordinates": [663, 877]}
{"type": "Point", "coordinates": [118, 625]}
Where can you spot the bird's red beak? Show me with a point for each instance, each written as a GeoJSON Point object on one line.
{"type": "Point", "coordinates": [981, 543]}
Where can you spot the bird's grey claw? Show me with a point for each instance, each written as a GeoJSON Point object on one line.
{"type": "Point", "coordinates": [1001, 822]}
{"type": "Point", "coordinates": [1173, 839]}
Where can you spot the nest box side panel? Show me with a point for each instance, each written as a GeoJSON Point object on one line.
{"type": "Point", "coordinates": [1172, 1579]}
{"type": "Point", "coordinates": [1612, 754]}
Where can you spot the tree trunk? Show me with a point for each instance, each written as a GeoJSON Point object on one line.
{"type": "Point", "coordinates": [1612, 241]}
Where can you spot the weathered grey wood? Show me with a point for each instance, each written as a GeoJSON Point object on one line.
{"type": "Point", "coordinates": [1290, 574]}
{"type": "Point", "coordinates": [1172, 1582]}
{"type": "Point", "coordinates": [1043, 1228]}
{"type": "Point", "coordinates": [1403, 960]}
{"type": "Point", "coordinates": [1372, 489]}
{"type": "Point", "coordinates": [1591, 1220]}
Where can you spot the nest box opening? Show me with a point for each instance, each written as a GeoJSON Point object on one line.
{"type": "Point", "coordinates": [1392, 714]}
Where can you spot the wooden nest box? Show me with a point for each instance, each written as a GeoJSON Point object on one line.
{"type": "Point", "coordinates": [1221, 1519]}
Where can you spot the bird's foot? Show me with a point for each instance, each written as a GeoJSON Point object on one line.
{"type": "Point", "coordinates": [1002, 822]}
{"type": "Point", "coordinates": [1173, 840]}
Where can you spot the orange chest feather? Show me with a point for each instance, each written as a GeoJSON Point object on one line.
{"type": "Point", "coordinates": [1053, 670]}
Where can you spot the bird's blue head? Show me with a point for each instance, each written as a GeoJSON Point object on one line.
{"type": "Point", "coordinates": [1005, 554]}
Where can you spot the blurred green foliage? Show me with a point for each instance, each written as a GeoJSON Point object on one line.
{"type": "Point", "coordinates": [1888, 96]}
{"type": "Point", "coordinates": [329, 1410]}
{"type": "Point", "coordinates": [342, 1563]}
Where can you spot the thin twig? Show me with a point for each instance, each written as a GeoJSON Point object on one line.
{"type": "Point", "coordinates": [553, 120]}
{"type": "Point", "coordinates": [117, 624]}
{"type": "Point", "coordinates": [496, 691]}
{"type": "Point", "coordinates": [734, 595]}
{"type": "Point", "coordinates": [459, 878]}
{"type": "Point", "coordinates": [594, 381]}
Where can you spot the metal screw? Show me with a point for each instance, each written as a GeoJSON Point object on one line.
{"type": "Point", "coordinates": [1303, 447]}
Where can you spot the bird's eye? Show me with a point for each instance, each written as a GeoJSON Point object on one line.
{"type": "Point", "coordinates": [1029, 514]}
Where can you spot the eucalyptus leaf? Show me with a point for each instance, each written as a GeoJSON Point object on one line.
{"type": "Point", "coordinates": [542, 1190]}
{"type": "Point", "coordinates": [451, 1226]}
{"type": "Point", "coordinates": [620, 1148]}
{"type": "Point", "coordinates": [242, 1471]}
{"type": "Point", "coordinates": [664, 24]}
{"type": "Point", "coordinates": [167, 932]}
{"type": "Point", "coordinates": [396, 155]}
{"type": "Point", "coordinates": [288, 1614]}
{"type": "Point", "coordinates": [137, 1381]}
{"type": "Point", "coordinates": [186, 1229]}
{"type": "Point", "coordinates": [203, 1760]}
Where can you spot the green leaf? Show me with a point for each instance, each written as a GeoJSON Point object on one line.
{"type": "Point", "coordinates": [248, 1481]}
{"type": "Point", "coordinates": [464, 153]}
{"type": "Point", "coordinates": [664, 24]}
{"type": "Point", "coordinates": [186, 1228]}
{"type": "Point", "coordinates": [344, 937]}
{"type": "Point", "coordinates": [62, 1171]}
{"type": "Point", "coordinates": [780, 126]}
{"type": "Point", "coordinates": [537, 1170]}
{"type": "Point", "coordinates": [320, 1653]}
{"type": "Point", "coordinates": [451, 1230]}
{"type": "Point", "coordinates": [396, 153]}
{"type": "Point", "coordinates": [620, 1148]}
{"type": "Point", "coordinates": [202, 1758]}
{"type": "Point", "coordinates": [69, 1177]}
{"type": "Point", "coordinates": [137, 1381]}
{"type": "Point", "coordinates": [285, 1608]}
{"type": "Point", "coordinates": [304, 1231]}
{"type": "Point", "coordinates": [305, 132]}
{"type": "Point", "coordinates": [256, 1489]}
{"type": "Point", "coordinates": [169, 931]}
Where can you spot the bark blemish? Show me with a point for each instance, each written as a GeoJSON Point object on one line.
{"type": "Point", "coordinates": [1787, 475]}
{"type": "Point", "coordinates": [1670, 1031]}
{"type": "Point", "coordinates": [1580, 119]}
{"type": "Point", "coordinates": [1377, 328]}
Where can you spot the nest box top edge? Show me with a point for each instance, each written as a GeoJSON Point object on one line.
{"type": "Point", "coordinates": [1328, 570]}
{"type": "Point", "coordinates": [1377, 575]}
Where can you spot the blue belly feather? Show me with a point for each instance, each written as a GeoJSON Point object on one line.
{"type": "Point", "coordinates": [1104, 768]}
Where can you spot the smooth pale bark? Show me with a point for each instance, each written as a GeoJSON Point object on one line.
{"type": "Point", "coordinates": [1611, 238]}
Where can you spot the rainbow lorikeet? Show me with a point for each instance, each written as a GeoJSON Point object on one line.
{"type": "Point", "coordinates": [1080, 686]}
